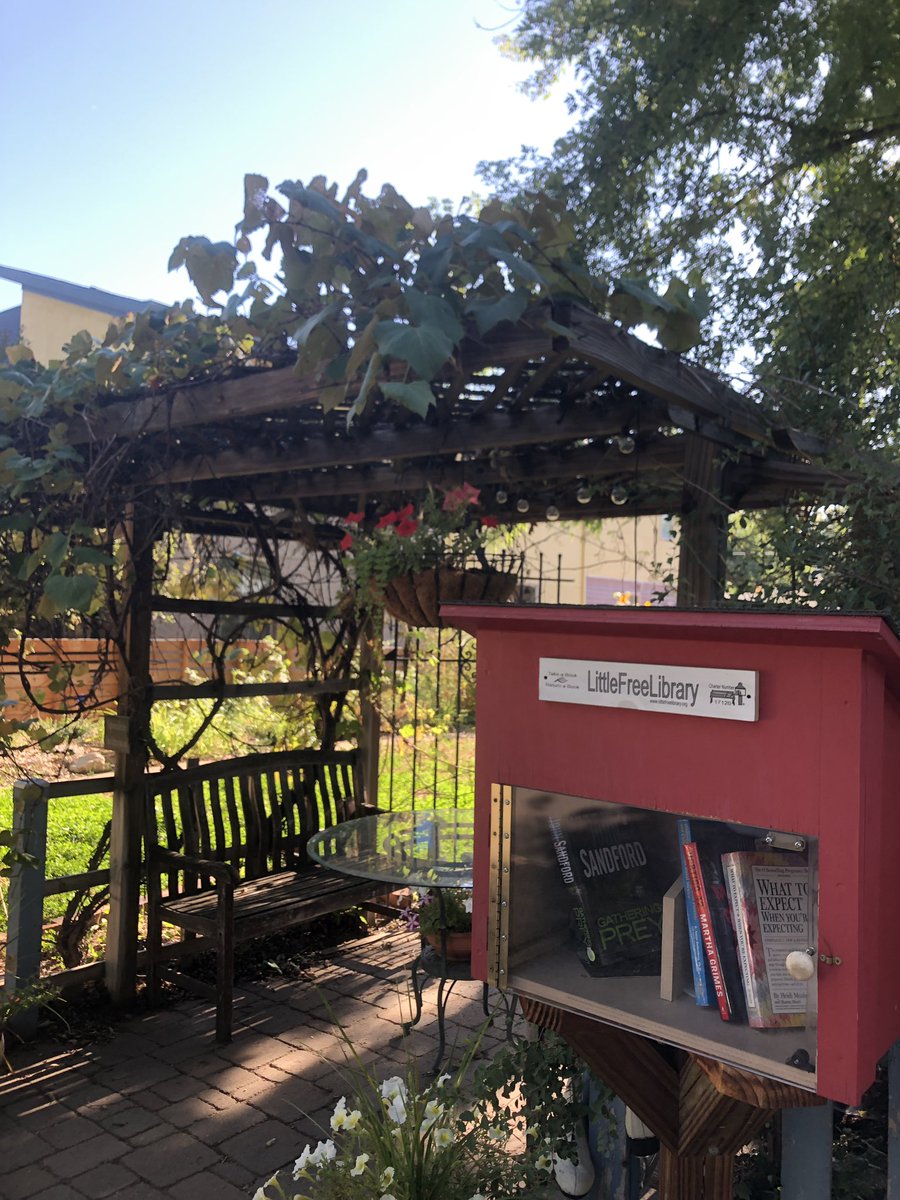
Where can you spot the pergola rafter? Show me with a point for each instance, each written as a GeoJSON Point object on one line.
{"type": "Point", "coordinates": [534, 412]}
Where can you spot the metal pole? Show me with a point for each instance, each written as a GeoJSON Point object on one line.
{"type": "Point", "coordinates": [806, 1138]}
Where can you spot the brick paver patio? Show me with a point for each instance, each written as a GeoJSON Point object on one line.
{"type": "Point", "coordinates": [163, 1113]}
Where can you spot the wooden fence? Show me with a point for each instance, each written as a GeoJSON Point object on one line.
{"type": "Point", "coordinates": [63, 670]}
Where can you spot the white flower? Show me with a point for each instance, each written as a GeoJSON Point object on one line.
{"type": "Point", "coordinates": [387, 1196]}
{"type": "Point", "coordinates": [497, 1133]}
{"type": "Point", "coordinates": [544, 1162]}
{"type": "Point", "coordinates": [393, 1087]}
{"type": "Point", "coordinates": [260, 1193]}
{"type": "Point", "coordinates": [353, 1119]}
{"type": "Point", "coordinates": [433, 1110]}
{"type": "Point", "coordinates": [301, 1163]}
{"type": "Point", "coordinates": [396, 1110]}
{"type": "Point", "coordinates": [324, 1152]}
{"type": "Point", "coordinates": [386, 1179]}
{"type": "Point", "coordinates": [339, 1116]}
{"type": "Point", "coordinates": [478, 1196]}
{"type": "Point", "coordinates": [361, 1160]}
{"type": "Point", "coordinates": [443, 1137]}
{"type": "Point", "coordinates": [467, 904]}
{"type": "Point", "coordinates": [441, 1080]}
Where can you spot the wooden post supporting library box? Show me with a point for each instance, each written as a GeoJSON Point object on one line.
{"type": "Point", "coordinates": [769, 743]}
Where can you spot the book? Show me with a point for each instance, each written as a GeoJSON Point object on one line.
{"type": "Point", "coordinates": [710, 896]}
{"type": "Point", "coordinates": [578, 920]}
{"type": "Point", "coordinates": [617, 865]}
{"type": "Point", "coordinates": [769, 892]}
{"type": "Point", "coordinates": [703, 986]}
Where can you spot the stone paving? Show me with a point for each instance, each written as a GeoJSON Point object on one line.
{"type": "Point", "coordinates": [162, 1113]}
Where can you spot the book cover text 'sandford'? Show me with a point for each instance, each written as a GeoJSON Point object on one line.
{"type": "Point", "coordinates": [619, 866]}
{"type": "Point", "coordinates": [770, 897]}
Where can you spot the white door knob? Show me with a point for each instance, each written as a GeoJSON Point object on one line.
{"type": "Point", "coordinates": [800, 965]}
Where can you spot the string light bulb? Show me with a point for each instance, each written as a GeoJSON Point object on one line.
{"type": "Point", "coordinates": [522, 505]}
{"type": "Point", "coordinates": [501, 495]}
{"type": "Point", "coordinates": [552, 512]}
{"type": "Point", "coordinates": [619, 494]}
{"type": "Point", "coordinates": [626, 443]}
{"type": "Point", "coordinates": [583, 495]}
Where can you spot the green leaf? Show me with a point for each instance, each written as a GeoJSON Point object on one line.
{"type": "Point", "coordinates": [55, 548]}
{"type": "Point", "coordinates": [434, 310]}
{"type": "Point", "coordinates": [679, 331]}
{"type": "Point", "coordinates": [255, 190]}
{"type": "Point", "coordinates": [523, 269]}
{"type": "Point", "coordinates": [509, 307]}
{"type": "Point", "coordinates": [434, 261]}
{"type": "Point", "coordinates": [425, 347]}
{"type": "Point", "coordinates": [211, 265]}
{"type": "Point", "coordinates": [640, 289]}
{"type": "Point", "coordinates": [92, 555]}
{"type": "Point", "coordinates": [302, 334]}
{"type": "Point", "coordinates": [67, 592]}
{"type": "Point", "coordinates": [417, 396]}
{"type": "Point", "coordinates": [314, 200]}
{"type": "Point", "coordinates": [365, 387]}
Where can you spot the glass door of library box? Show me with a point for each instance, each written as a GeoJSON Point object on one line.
{"type": "Point", "coordinates": [693, 932]}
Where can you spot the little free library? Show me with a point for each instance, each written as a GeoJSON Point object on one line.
{"type": "Point", "coordinates": [686, 856]}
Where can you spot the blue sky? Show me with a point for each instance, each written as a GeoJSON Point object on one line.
{"type": "Point", "coordinates": [129, 125]}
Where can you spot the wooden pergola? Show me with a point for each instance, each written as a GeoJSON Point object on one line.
{"type": "Point", "coordinates": [595, 423]}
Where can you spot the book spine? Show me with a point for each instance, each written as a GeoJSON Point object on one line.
{"type": "Point", "coordinates": [739, 899]}
{"type": "Point", "coordinates": [723, 931]}
{"type": "Point", "coordinates": [703, 991]}
{"type": "Point", "coordinates": [704, 916]}
{"type": "Point", "coordinates": [584, 934]}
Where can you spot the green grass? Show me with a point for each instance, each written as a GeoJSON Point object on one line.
{"type": "Point", "coordinates": [424, 778]}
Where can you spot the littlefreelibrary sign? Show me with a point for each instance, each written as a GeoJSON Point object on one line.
{"type": "Point", "coordinates": [726, 695]}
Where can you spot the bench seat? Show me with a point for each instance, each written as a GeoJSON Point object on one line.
{"type": "Point", "coordinates": [227, 858]}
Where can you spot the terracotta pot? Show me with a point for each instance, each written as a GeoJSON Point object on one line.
{"type": "Point", "coordinates": [415, 598]}
{"type": "Point", "coordinates": [459, 945]}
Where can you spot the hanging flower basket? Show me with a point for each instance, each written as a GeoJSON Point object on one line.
{"type": "Point", "coordinates": [415, 597]}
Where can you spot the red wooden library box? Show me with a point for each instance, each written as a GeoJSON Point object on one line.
{"type": "Point", "coordinates": [599, 729]}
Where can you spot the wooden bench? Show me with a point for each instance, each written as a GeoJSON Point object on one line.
{"type": "Point", "coordinates": [226, 853]}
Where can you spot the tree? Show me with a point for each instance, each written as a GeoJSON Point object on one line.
{"type": "Point", "coordinates": [753, 144]}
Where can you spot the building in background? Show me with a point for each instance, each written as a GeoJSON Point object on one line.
{"type": "Point", "coordinates": [52, 311]}
{"type": "Point", "coordinates": [621, 560]}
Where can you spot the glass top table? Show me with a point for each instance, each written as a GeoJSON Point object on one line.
{"type": "Point", "coordinates": [425, 849]}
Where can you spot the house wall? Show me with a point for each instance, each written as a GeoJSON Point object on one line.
{"type": "Point", "coordinates": [47, 324]}
{"type": "Point", "coordinates": [614, 561]}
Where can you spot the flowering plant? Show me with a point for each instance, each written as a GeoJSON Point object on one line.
{"type": "Point", "coordinates": [451, 911]}
{"type": "Point", "coordinates": [464, 1137]}
{"type": "Point", "coordinates": [446, 531]}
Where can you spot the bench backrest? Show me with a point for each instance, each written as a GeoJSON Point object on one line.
{"type": "Point", "coordinates": [256, 812]}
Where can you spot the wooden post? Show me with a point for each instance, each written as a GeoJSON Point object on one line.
{"type": "Point", "coordinates": [893, 1146]}
{"type": "Point", "coordinates": [704, 527]}
{"type": "Point", "coordinates": [128, 795]}
{"type": "Point", "coordinates": [806, 1137]}
{"type": "Point", "coordinates": [26, 897]}
{"type": "Point", "coordinates": [370, 650]}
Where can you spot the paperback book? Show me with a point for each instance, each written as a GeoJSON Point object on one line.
{"type": "Point", "coordinates": [703, 858]}
{"type": "Point", "coordinates": [769, 893]}
{"type": "Point", "coordinates": [704, 993]}
{"type": "Point", "coordinates": [617, 865]}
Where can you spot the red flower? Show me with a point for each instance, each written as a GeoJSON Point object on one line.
{"type": "Point", "coordinates": [346, 541]}
{"type": "Point", "coordinates": [387, 520]}
{"type": "Point", "coordinates": [489, 522]}
{"type": "Point", "coordinates": [406, 511]}
{"type": "Point", "coordinates": [354, 518]}
{"type": "Point", "coordinates": [460, 497]}
{"type": "Point", "coordinates": [406, 527]}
